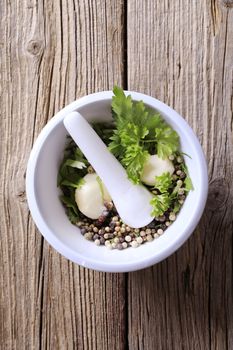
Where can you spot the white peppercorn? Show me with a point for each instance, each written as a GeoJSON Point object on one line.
{"type": "Point", "coordinates": [134, 244]}
{"type": "Point", "coordinates": [160, 231]}
{"type": "Point", "coordinates": [139, 240]}
{"type": "Point", "coordinates": [172, 216]}
{"type": "Point", "coordinates": [149, 238]}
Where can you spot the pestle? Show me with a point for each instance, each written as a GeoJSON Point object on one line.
{"type": "Point", "coordinates": [131, 201]}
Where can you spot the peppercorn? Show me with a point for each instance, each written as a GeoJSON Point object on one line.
{"type": "Point", "coordinates": [83, 231]}
{"type": "Point", "coordinates": [179, 159]}
{"type": "Point", "coordinates": [134, 244]}
{"type": "Point", "coordinates": [102, 240]}
{"type": "Point", "coordinates": [149, 238]}
{"type": "Point", "coordinates": [182, 175]}
{"type": "Point", "coordinates": [160, 231]}
{"type": "Point", "coordinates": [171, 157]}
{"type": "Point", "coordinates": [108, 205]}
{"type": "Point", "coordinates": [88, 235]}
{"type": "Point", "coordinates": [90, 170]}
{"type": "Point", "coordinates": [181, 191]}
{"type": "Point", "coordinates": [172, 216]}
{"type": "Point", "coordinates": [139, 240]}
{"type": "Point", "coordinates": [179, 183]}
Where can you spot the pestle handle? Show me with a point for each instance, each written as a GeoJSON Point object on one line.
{"type": "Point", "coordinates": [132, 201]}
{"type": "Point", "coordinates": [105, 164]}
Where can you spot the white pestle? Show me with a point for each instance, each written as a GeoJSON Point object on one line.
{"type": "Point", "coordinates": [131, 201]}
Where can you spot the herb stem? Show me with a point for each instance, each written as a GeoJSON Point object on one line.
{"type": "Point", "coordinates": [148, 140]}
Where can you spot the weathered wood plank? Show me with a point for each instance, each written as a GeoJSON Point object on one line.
{"type": "Point", "coordinates": [182, 53]}
{"type": "Point", "coordinates": [52, 52]}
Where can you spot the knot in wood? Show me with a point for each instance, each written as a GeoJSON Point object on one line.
{"type": "Point", "coordinates": [35, 47]}
{"type": "Point", "coordinates": [218, 194]}
{"type": "Point", "coordinates": [21, 196]}
{"type": "Point", "coordinates": [227, 3]}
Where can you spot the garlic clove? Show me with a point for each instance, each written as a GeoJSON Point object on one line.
{"type": "Point", "coordinates": [90, 197]}
{"type": "Point", "coordinates": [156, 166]}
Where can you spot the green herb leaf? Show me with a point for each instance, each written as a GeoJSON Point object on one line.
{"type": "Point", "coordinates": [78, 155]}
{"type": "Point", "coordinates": [71, 207]}
{"type": "Point", "coordinates": [69, 203]}
{"type": "Point", "coordinates": [115, 145]}
{"type": "Point", "coordinates": [160, 203]}
{"type": "Point", "coordinates": [77, 184]}
{"type": "Point", "coordinates": [72, 216]}
{"type": "Point", "coordinates": [132, 134]}
{"type": "Point", "coordinates": [167, 141]}
{"type": "Point", "coordinates": [185, 154]}
{"type": "Point", "coordinates": [154, 121]}
{"type": "Point", "coordinates": [163, 182]}
{"type": "Point", "coordinates": [188, 183]}
{"type": "Point", "coordinates": [104, 130]}
{"type": "Point", "coordinates": [134, 160]}
{"type": "Point", "coordinates": [139, 128]}
{"type": "Point", "coordinates": [121, 105]}
{"type": "Point", "coordinates": [176, 207]}
{"type": "Point", "coordinates": [75, 164]}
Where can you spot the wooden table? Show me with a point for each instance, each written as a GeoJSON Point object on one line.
{"type": "Point", "coordinates": [53, 52]}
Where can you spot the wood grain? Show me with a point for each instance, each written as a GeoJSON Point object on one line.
{"type": "Point", "coordinates": [182, 53]}
{"type": "Point", "coordinates": [52, 52]}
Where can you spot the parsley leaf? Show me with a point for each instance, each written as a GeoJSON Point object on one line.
{"type": "Point", "coordinates": [104, 130]}
{"type": "Point", "coordinates": [72, 216]}
{"type": "Point", "coordinates": [167, 141]}
{"type": "Point", "coordinates": [70, 203]}
{"type": "Point", "coordinates": [134, 160]}
{"type": "Point", "coordinates": [160, 203]}
{"type": "Point", "coordinates": [70, 177]}
{"type": "Point", "coordinates": [75, 184]}
{"type": "Point", "coordinates": [115, 145]}
{"type": "Point", "coordinates": [71, 207]}
{"type": "Point", "coordinates": [163, 182]}
{"type": "Point", "coordinates": [126, 144]}
{"type": "Point", "coordinates": [75, 164]}
{"type": "Point", "coordinates": [139, 129]}
{"type": "Point", "coordinates": [121, 105]}
{"type": "Point", "coordinates": [176, 207]}
{"type": "Point", "coordinates": [188, 182]}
